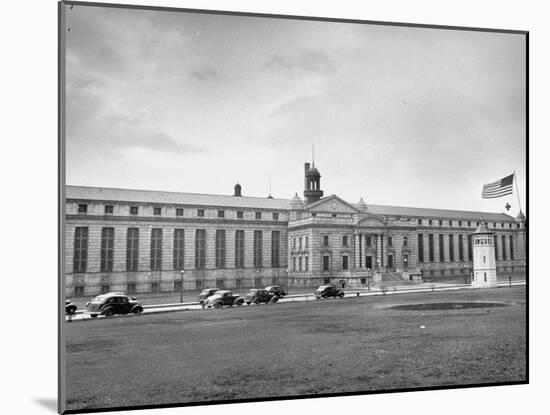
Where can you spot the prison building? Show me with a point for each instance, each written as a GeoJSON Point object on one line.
{"type": "Point", "coordinates": [143, 241]}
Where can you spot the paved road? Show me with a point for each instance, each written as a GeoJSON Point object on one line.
{"type": "Point", "coordinates": [164, 308]}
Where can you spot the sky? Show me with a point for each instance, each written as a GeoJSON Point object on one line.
{"type": "Point", "coordinates": [191, 102]}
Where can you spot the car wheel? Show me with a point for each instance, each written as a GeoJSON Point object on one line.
{"type": "Point", "coordinates": [93, 315]}
{"type": "Point", "coordinates": [108, 312]}
{"type": "Point", "coordinates": [217, 305]}
{"type": "Point", "coordinates": [256, 301]}
{"type": "Point", "coordinates": [239, 303]}
{"type": "Point", "coordinates": [71, 311]}
{"type": "Point", "coordinates": [138, 310]}
{"type": "Point", "coordinates": [274, 300]}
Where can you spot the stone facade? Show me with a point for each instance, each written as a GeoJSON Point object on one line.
{"type": "Point", "coordinates": [320, 239]}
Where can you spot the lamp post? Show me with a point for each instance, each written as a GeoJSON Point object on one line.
{"type": "Point", "coordinates": [287, 283]}
{"type": "Point", "coordinates": [257, 276]}
{"type": "Point", "coordinates": [181, 285]}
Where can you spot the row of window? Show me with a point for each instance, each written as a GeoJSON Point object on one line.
{"type": "Point", "coordinates": [132, 249]}
{"type": "Point", "coordinates": [460, 223]}
{"type": "Point", "coordinates": [451, 245]}
{"type": "Point", "coordinates": [157, 211]}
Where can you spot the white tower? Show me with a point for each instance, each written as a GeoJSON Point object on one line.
{"type": "Point", "coordinates": [485, 270]}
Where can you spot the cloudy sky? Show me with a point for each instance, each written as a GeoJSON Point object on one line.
{"type": "Point", "coordinates": [196, 102]}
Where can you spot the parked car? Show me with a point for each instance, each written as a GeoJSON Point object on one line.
{"type": "Point", "coordinates": [257, 296]}
{"type": "Point", "coordinates": [223, 298]}
{"type": "Point", "coordinates": [70, 308]}
{"type": "Point", "coordinates": [205, 294]}
{"type": "Point", "coordinates": [275, 289]}
{"type": "Point", "coordinates": [325, 291]}
{"type": "Point", "coordinates": [113, 303]}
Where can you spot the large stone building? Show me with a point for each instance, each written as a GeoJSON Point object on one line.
{"type": "Point", "coordinates": [149, 241]}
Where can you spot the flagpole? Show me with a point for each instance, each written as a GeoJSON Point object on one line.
{"type": "Point", "coordinates": [517, 192]}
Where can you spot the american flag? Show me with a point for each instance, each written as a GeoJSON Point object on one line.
{"type": "Point", "coordinates": [499, 188]}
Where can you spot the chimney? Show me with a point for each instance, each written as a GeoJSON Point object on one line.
{"type": "Point", "coordinates": [237, 190]}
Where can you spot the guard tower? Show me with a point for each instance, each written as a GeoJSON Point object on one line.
{"type": "Point", "coordinates": [312, 191]}
{"type": "Point", "coordinates": [485, 270]}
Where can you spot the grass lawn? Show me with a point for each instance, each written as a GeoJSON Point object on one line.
{"type": "Point", "coordinates": [328, 346]}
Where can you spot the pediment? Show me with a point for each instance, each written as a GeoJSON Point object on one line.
{"type": "Point", "coordinates": [331, 204]}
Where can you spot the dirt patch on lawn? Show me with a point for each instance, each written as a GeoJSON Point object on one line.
{"type": "Point", "coordinates": [455, 305]}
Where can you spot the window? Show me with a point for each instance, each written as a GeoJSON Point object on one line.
{"type": "Point", "coordinates": [105, 288]}
{"type": "Point", "coordinates": [154, 287]}
{"type": "Point", "coordinates": [431, 247]}
{"type": "Point", "coordinates": [325, 240]}
{"type": "Point", "coordinates": [420, 221]}
{"type": "Point", "coordinates": [441, 249]}
{"type": "Point", "coordinates": [293, 263]}
{"type": "Point", "coordinates": [405, 241]}
{"type": "Point", "coordinates": [179, 243]}
{"type": "Point", "coordinates": [300, 243]}
{"type": "Point", "coordinates": [258, 249]}
{"type": "Point", "coordinates": [307, 241]}
{"type": "Point", "coordinates": [495, 243]}
{"type": "Point", "coordinates": [107, 247]}
{"type": "Point", "coordinates": [198, 284]}
{"type": "Point", "coordinates": [461, 247]}
{"type": "Point", "coordinates": [220, 248]}
{"type": "Point", "coordinates": [368, 262]}
{"type": "Point", "coordinates": [345, 240]}
{"type": "Point", "coordinates": [325, 263]}
{"type": "Point", "coordinates": [511, 240]}
{"type": "Point", "coordinates": [156, 249]}
{"type": "Point", "coordinates": [157, 211]}
{"type": "Point", "coordinates": [82, 208]}
{"type": "Point", "coordinates": [200, 213]}
{"type": "Point", "coordinates": [78, 291]}
{"type": "Point", "coordinates": [220, 282]}
{"type": "Point", "coordinates": [430, 222]}
{"type": "Point", "coordinates": [275, 216]}
{"type": "Point", "coordinates": [300, 263]}
{"type": "Point", "coordinates": [502, 225]}
{"type": "Point", "coordinates": [221, 213]}
{"type": "Point", "coordinates": [503, 245]}
{"type": "Point", "coordinates": [109, 209]}
{"type": "Point", "coordinates": [469, 247]}
{"type": "Point", "coordinates": [345, 262]}
{"type": "Point", "coordinates": [469, 223]}
{"type": "Point", "coordinates": [306, 261]}
{"type": "Point", "coordinates": [179, 211]}
{"type": "Point", "coordinates": [494, 224]}
{"type": "Point", "coordinates": [293, 243]}
{"type": "Point", "coordinates": [240, 214]}
{"type": "Point", "coordinates": [132, 249]}
{"type": "Point", "coordinates": [178, 286]}
{"type": "Point", "coordinates": [390, 241]}
{"type": "Point", "coordinates": [133, 210]}
{"type": "Point", "coordinates": [420, 247]}
{"type": "Point", "coordinates": [459, 223]}
{"type": "Point", "coordinates": [239, 249]}
{"type": "Point", "coordinates": [80, 249]}
{"type": "Point", "coordinates": [334, 215]}
{"type": "Point", "coordinates": [258, 215]}
{"type": "Point", "coordinates": [369, 240]}
{"type": "Point", "coordinates": [440, 222]}
{"type": "Point", "coordinates": [510, 225]}
{"type": "Point", "coordinates": [450, 223]}
{"type": "Point", "coordinates": [275, 248]}
{"type": "Point", "coordinates": [313, 214]}
{"type": "Point", "coordinates": [451, 248]}
{"type": "Point", "coordinates": [200, 248]}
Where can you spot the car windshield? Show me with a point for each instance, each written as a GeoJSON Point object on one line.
{"type": "Point", "coordinates": [98, 299]}
{"type": "Point", "coordinates": [203, 292]}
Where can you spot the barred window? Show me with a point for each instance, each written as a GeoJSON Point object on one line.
{"type": "Point", "coordinates": [239, 249]}
{"type": "Point", "coordinates": [157, 211]}
{"type": "Point", "coordinates": [325, 240]}
{"type": "Point", "coordinates": [258, 215]}
{"type": "Point", "coordinates": [133, 210]}
{"type": "Point", "coordinates": [451, 248]}
{"type": "Point", "coordinates": [431, 247]}
{"type": "Point", "coordinates": [179, 251]}
{"type": "Point", "coordinates": [420, 247]}
{"type": "Point", "coordinates": [107, 248]}
{"type": "Point", "coordinates": [257, 249]}
{"type": "Point", "coordinates": [108, 209]}
{"type": "Point", "coordinates": [221, 213]}
{"type": "Point", "coordinates": [220, 248]}
{"type": "Point", "coordinates": [240, 214]}
{"type": "Point", "coordinates": [156, 249]}
{"type": "Point", "coordinates": [80, 249]}
{"type": "Point", "coordinates": [179, 211]}
{"type": "Point", "coordinates": [200, 213]}
{"type": "Point", "coordinates": [200, 248]}
{"type": "Point", "coordinates": [132, 249]}
{"type": "Point", "coordinates": [275, 248]}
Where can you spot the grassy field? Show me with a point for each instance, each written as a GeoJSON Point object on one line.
{"type": "Point", "coordinates": [329, 346]}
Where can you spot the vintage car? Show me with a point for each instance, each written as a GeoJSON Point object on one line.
{"type": "Point", "coordinates": [113, 303]}
{"type": "Point", "coordinates": [223, 298]}
{"type": "Point", "coordinates": [70, 308]}
{"type": "Point", "coordinates": [257, 296]}
{"type": "Point", "coordinates": [275, 289]}
{"type": "Point", "coordinates": [325, 291]}
{"type": "Point", "coordinates": [205, 294]}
